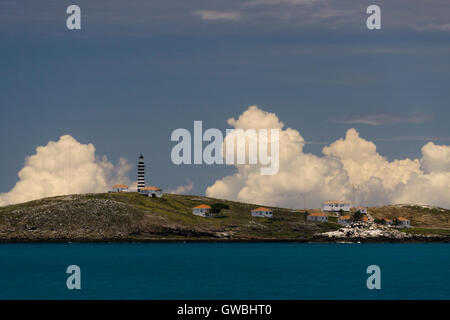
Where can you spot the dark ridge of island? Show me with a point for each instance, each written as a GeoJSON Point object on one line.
{"type": "Point", "coordinates": [131, 217]}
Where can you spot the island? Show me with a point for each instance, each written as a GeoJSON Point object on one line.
{"type": "Point", "coordinates": [131, 217]}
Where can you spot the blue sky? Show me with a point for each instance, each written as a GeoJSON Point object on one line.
{"type": "Point", "coordinates": [137, 71]}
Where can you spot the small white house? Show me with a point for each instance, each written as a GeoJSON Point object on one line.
{"type": "Point", "coordinates": [387, 222]}
{"type": "Point", "coordinates": [119, 188]}
{"type": "Point", "coordinates": [362, 210]}
{"type": "Point", "coordinates": [403, 222]}
{"type": "Point", "coordinates": [202, 210]}
{"type": "Point", "coordinates": [262, 212]}
{"type": "Point", "coordinates": [317, 217]}
{"type": "Point", "coordinates": [151, 192]}
{"type": "Point", "coordinates": [344, 220]}
{"type": "Point", "coordinates": [336, 206]}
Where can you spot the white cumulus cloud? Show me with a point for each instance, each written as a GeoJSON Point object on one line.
{"type": "Point", "coordinates": [349, 161]}
{"type": "Point", "coordinates": [65, 167]}
{"type": "Point", "coordinates": [184, 188]}
{"type": "Point", "coordinates": [218, 15]}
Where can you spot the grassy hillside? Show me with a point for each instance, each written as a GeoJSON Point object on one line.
{"type": "Point", "coordinates": [424, 220]}
{"type": "Point", "coordinates": [130, 216]}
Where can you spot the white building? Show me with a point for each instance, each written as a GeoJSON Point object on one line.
{"type": "Point", "coordinates": [202, 210]}
{"type": "Point", "coordinates": [387, 222]}
{"type": "Point", "coordinates": [317, 217]}
{"type": "Point", "coordinates": [262, 212]}
{"type": "Point", "coordinates": [336, 206]}
{"type": "Point", "coordinates": [403, 222]}
{"type": "Point", "coordinates": [151, 192]}
{"type": "Point", "coordinates": [344, 220]}
{"type": "Point", "coordinates": [362, 210]}
{"type": "Point", "coordinates": [119, 188]}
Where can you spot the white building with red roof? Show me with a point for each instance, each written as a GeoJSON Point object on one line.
{"type": "Point", "coordinates": [403, 222]}
{"type": "Point", "coordinates": [344, 220]}
{"type": "Point", "coordinates": [202, 210]}
{"type": "Point", "coordinates": [363, 210]}
{"type": "Point", "coordinates": [119, 188]}
{"type": "Point", "coordinates": [317, 217]}
{"type": "Point", "coordinates": [262, 212]}
{"type": "Point", "coordinates": [153, 192]}
{"type": "Point", "coordinates": [336, 206]}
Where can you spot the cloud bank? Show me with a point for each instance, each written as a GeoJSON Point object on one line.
{"type": "Point", "coordinates": [218, 15]}
{"type": "Point", "coordinates": [377, 119]}
{"type": "Point", "coordinates": [348, 161]}
{"type": "Point", "coordinates": [65, 167]}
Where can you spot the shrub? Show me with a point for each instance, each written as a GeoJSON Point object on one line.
{"type": "Point", "coordinates": [217, 207]}
{"type": "Point", "coordinates": [358, 215]}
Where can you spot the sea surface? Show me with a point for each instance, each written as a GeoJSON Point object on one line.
{"type": "Point", "coordinates": [224, 271]}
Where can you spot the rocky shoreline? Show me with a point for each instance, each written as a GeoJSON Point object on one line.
{"type": "Point", "coordinates": [356, 232]}
{"type": "Point", "coordinates": [370, 232]}
{"type": "Point", "coordinates": [318, 238]}
{"type": "Point", "coordinates": [418, 239]}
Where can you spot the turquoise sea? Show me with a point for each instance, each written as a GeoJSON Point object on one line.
{"type": "Point", "coordinates": [224, 271]}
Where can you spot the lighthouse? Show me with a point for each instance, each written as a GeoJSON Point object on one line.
{"type": "Point", "coordinates": [141, 173]}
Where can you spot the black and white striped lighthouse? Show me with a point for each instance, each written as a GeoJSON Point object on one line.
{"type": "Point", "coordinates": [141, 173]}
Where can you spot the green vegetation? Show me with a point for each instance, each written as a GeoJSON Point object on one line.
{"type": "Point", "coordinates": [333, 219]}
{"type": "Point", "coordinates": [130, 216]}
{"type": "Point", "coordinates": [218, 207]}
{"type": "Point", "coordinates": [357, 216]}
{"type": "Point", "coordinates": [421, 217]}
{"type": "Point", "coordinates": [439, 232]}
{"type": "Point", "coordinates": [133, 217]}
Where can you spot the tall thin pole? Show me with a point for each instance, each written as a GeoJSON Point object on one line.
{"type": "Point", "coordinates": [304, 196]}
{"type": "Point", "coordinates": [304, 201]}
{"type": "Point", "coordinates": [353, 196]}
